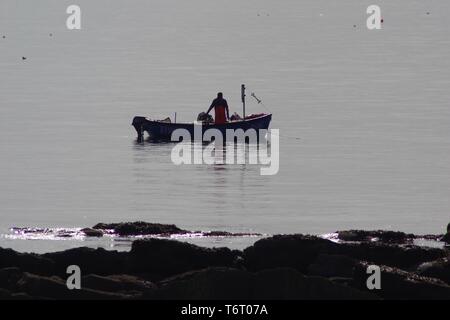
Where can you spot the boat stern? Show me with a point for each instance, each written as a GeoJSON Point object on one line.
{"type": "Point", "coordinates": [138, 124]}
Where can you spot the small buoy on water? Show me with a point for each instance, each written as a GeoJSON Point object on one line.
{"type": "Point", "coordinates": [51, 34]}
{"type": "Point", "coordinates": [428, 12]}
{"type": "Point", "coordinates": [24, 58]}
{"type": "Point", "coordinates": [382, 20]}
{"type": "Point", "coordinates": [354, 26]}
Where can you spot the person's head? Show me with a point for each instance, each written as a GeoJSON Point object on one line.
{"type": "Point", "coordinates": [220, 95]}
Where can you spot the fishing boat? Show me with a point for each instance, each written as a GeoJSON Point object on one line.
{"type": "Point", "coordinates": [163, 129]}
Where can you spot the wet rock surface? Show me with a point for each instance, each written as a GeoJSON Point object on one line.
{"type": "Point", "coordinates": [119, 230]}
{"type": "Point", "coordinates": [90, 232]}
{"type": "Point", "coordinates": [439, 269]}
{"type": "Point", "coordinates": [280, 267]}
{"type": "Point", "coordinates": [377, 235]}
{"type": "Point", "coordinates": [140, 228]}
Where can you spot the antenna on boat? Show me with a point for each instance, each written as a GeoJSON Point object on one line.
{"type": "Point", "coordinates": [243, 99]}
{"type": "Point", "coordinates": [257, 99]}
{"type": "Point", "coordinates": [175, 120]}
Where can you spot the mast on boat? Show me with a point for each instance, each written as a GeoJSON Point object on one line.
{"type": "Point", "coordinates": [243, 99]}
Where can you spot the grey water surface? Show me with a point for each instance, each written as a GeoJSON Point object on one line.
{"type": "Point", "coordinates": [364, 116]}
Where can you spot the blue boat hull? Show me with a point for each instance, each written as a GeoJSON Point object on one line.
{"type": "Point", "coordinates": [158, 130]}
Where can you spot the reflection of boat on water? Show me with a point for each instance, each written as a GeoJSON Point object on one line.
{"type": "Point", "coordinates": [162, 130]}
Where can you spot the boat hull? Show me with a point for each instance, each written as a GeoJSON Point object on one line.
{"type": "Point", "coordinates": [158, 130]}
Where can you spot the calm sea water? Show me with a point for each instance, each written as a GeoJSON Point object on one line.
{"type": "Point", "coordinates": [371, 109]}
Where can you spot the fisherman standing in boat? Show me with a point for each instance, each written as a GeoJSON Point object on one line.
{"type": "Point", "coordinates": [220, 106]}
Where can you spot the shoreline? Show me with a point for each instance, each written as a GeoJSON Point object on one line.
{"type": "Point", "coordinates": [120, 236]}
{"type": "Point", "coordinates": [278, 267]}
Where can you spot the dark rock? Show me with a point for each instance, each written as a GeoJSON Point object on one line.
{"type": "Point", "coordinates": [211, 283]}
{"type": "Point", "coordinates": [439, 269]}
{"type": "Point", "coordinates": [5, 294]}
{"type": "Point", "coordinates": [27, 230]}
{"type": "Point", "coordinates": [378, 235]}
{"type": "Point", "coordinates": [299, 252]}
{"type": "Point", "coordinates": [286, 283]}
{"type": "Point", "coordinates": [280, 283]}
{"type": "Point", "coordinates": [140, 228]}
{"type": "Point", "coordinates": [217, 234]}
{"type": "Point", "coordinates": [56, 288]}
{"type": "Point", "coordinates": [446, 238]}
{"type": "Point", "coordinates": [398, 284]}
{"type": "Point", "coordinates": [90, 232]}
{"type": "Point", "coordinates": [91, 261]}
{"type": "Point", "coordinates": [8, 295]}
{"type": "Point", "coordinates": [404, 257]}
{"type": "Point", "coordinates": [118, 283]}
{"type": "Point", "coordinates": [229, 234]}
{"type": "Point", "coordinates": [29, 262]}
{"type": "Point", "coordinates": [327, 265]}
{"type": "Point", "coordinates": [9, 278]}
{"type": "Point", "coordinates": [168, 257]}
{"type": "Point", "coordinates": [293, 251]}
{"type": "Point", "coordinates": [24, 296]}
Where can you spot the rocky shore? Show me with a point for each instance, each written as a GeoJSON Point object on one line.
{"type": "Point", "coordinates": [124, 229]}
{"type": "Point", "coordinates": [279, 267]}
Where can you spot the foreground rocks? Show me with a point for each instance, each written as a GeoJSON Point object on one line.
{"type": "Point", "coordinates": [399, 284]}
{"type": "Point", "coordinates": [439, 269]}
{"type": "Point", "coordinates": [299, 251]}
{"type": "Point", "coordinates": [161, 258]}
{"type": "Point", "coordinates": [280, 267]}
{"type": "Point", "coordinates": [446, 237]}
{"type": "Point", "coordinates": [91, 261]}
{"type": "Point", "coordinates": [278, 283]}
